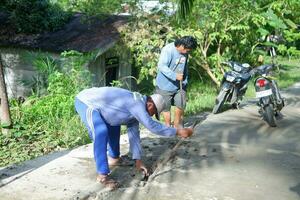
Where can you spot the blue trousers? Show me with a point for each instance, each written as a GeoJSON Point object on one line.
{"type": "Point", "coordinates": [104, 136]}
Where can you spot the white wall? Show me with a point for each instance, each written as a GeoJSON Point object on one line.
{"type": "Point", "coordinates": [16, 70]}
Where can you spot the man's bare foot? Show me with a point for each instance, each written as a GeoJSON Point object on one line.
{"type": "Point", "coordinates": [107, 181]}
{"type": "Point", "coordinates": [121, 161]}
{"type": "Point", "coordinates": [112, 161]}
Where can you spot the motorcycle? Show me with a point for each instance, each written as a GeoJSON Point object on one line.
{"type": "Point", "coordinates": [233, 85]}
{"type": "Point", "coordinates": [270, 100]}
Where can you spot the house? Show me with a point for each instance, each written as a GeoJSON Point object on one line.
{"type": "Point", "coordinates": [98, 36]}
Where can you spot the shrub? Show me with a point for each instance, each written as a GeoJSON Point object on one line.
{"type": "Point", "coordinates": [43, 124]}
{"type": "Point", "coordinates": [35, 16]}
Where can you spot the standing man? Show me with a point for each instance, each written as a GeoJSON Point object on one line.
{"type": "Point", "coordinates": [104, 109]}
{"type": "Point", "coordinates": [171, 80]}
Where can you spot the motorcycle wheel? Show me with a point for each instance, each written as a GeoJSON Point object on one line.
{"type": "Point", "coordinates": [269, 115]}
{"type": "Point", "coordinates": [219, 102]}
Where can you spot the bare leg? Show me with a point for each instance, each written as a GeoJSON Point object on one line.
{"type": "Point", "coordinates": [178, 118]}
{"type": "Point", "coordinates": [112, 161]}
{"type": "Point", "coordinates": [167, 117]}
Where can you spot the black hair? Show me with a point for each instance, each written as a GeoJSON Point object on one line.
{"type": "Point", "coordinates": [188, 42]}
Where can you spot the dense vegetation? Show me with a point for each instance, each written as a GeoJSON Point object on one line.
{"type": "Point", "coordinates": [34, 16]}
{"type": "Point", "coordinates": [225, 30]}
{"type": "Point", "coordinates": [46, 121]}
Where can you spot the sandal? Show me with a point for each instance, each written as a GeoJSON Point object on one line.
{"type": "Point", "coordinates": [108, 182]}
{"type": "Point", "coordinates": [123, 161]}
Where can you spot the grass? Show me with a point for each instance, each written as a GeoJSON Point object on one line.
{"type": "Point", "coordinates": [290, 73]}
{"type": "Point", "coordinates": [201, 97]}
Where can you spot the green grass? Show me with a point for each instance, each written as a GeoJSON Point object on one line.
{"type": "Point", "coordinates": [289, 77]}
{"type": "Point", "coordinates": [201, 97]}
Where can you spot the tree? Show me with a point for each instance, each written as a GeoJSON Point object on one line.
{"type": "Point", "coordinates": [34, 16]}
{"type": "Point", "coordinates": [185, 7]}
{"type": "Point", "coordinates": [232, 29]}
{"type": "Point", "coordinates": [5, 114]}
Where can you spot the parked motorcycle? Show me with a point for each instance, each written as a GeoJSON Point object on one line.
{"type": "Point", "coordinates": [270, 100]}
{"type": "Point", "coordinates": [233, 85]}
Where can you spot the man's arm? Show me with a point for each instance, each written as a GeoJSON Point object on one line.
{"type": "Point", "coordinates": [135, 147]}
{"type": "Point", "coordinates": [134, 140]}
{"type": "Point", "coordinates": [139, 112]}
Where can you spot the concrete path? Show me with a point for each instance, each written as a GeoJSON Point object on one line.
{"type": "Point", "coordinates": [232, 156]}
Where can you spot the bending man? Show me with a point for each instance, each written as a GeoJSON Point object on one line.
{"type": "Point", "coordinates": [104, 109]}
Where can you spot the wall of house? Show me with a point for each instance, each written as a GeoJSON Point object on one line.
{"type": "Point", "coordinates": [16, 71]}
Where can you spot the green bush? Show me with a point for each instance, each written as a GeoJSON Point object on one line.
{"type": "Point", "coordinates": [35, 16]}
{"type": "Point", "coordinates": [43, 124]}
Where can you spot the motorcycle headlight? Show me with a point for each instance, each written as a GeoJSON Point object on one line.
{"type": "Point", "coordinates": [237, 68]}
{"type": "Point", "coordinates": [230, 78]}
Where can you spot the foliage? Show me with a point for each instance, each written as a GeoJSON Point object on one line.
{"type": "Point", "coordinates": [44, 66]}
{"type": "Point", "coordinates": [35, 16]}
{"type": "Point", "coordinates": [94, 7]}
{"type": "Point", "coordinates": [225, 30]}
{"type": "Point", "coordinates": [47, 123]}
{"type": "Point", "coordinates": [145, 36]}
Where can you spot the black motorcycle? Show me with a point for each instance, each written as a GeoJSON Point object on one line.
{"type": "Point", "coordinates": [233, 85]}
{"type": "Point", "coordinates": [270, 100]}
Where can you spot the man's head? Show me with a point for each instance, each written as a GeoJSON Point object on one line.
{"type": "Point", "coordinates": [185, 44]}
{"type": "Point", "coordinates": [155, 105]}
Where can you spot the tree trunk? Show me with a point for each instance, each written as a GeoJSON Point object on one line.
{"type": "Point", "coordinates": [206, 67]}
{"type": "Point", "coordinates": [219, 56]}
{"type": "Point", "coordinates": [4, 106]}
{"type": "Point", "coordinates": [212, 76]}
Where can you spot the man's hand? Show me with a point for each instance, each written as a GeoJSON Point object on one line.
{"type": "Point", "coordinates": [179, 77]}
{"type": "Point", "coordinates": [141, 167]}
{"type": "Point", "coordinates": [184, 132]}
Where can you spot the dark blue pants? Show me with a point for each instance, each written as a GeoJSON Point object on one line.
{"type": "Point", "coordinates": [102, 134]}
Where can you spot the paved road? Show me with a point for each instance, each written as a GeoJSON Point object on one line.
{"type": "Point", "coordinates": [232, 156]}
